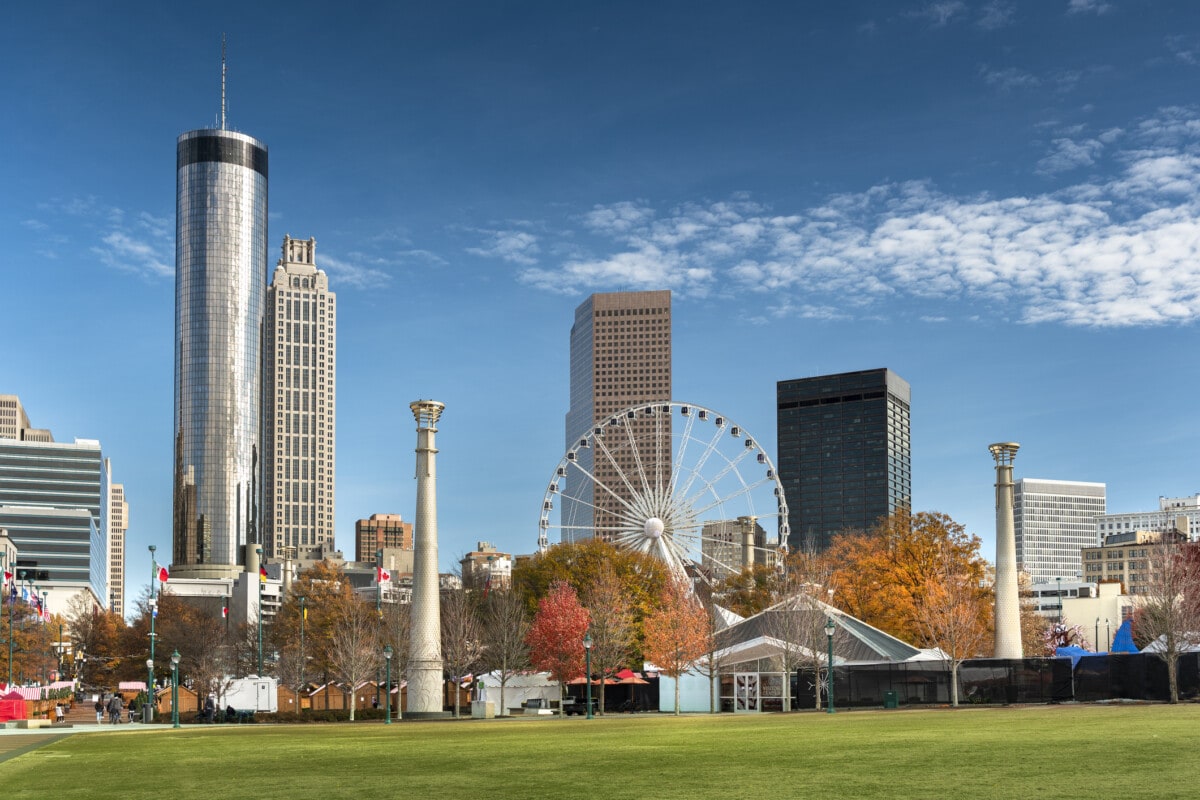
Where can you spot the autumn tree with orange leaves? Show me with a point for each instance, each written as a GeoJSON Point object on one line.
{"type": "Point", "coordinates": [882, 576]}
{"type": "Point", "coordinates": [556, 636]}
{"type": "Point", "coordinates": [676, 633]}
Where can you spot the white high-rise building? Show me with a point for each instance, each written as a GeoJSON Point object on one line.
{"type": "Point", "coordinates": [1172, 511]}
{"type": "Point", "coordinates": [299, 384]}
{"type": "Point", "coordinates": [1054, 521]}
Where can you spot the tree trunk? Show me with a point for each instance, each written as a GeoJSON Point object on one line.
{"type": "Point", "coordinates": [503, 680]}
{"type": "Point", "coordinates": [456, 698]}
{"type": "Point", "coordinates": [600, 709]}
{"type": "Point", "coordinates": [954, 684]}
{"type": "Point", "coordinates": [1173, 676]}
{"type": "Point", "coordinates": [353, 701]}
{"type": "Point", "coordinates": [677, 695]}
{"type": "Point", "coordinates": [712, 690]}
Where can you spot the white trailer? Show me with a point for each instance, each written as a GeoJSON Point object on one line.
{"type": "Point", "coordinates": [251, 694]}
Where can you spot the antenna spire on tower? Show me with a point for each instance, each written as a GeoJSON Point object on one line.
{"type": "Point", "coordinates": [222, 81]}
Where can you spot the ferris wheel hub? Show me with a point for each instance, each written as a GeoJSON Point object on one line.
{"type": "Point", "coordinates": [654, 528]}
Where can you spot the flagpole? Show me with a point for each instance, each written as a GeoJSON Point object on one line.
{"type": "Point", "coordinates": [258, 550]}
{"type": "Point", "coordinates": [153, 614]}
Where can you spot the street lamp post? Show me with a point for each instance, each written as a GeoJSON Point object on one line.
{"type": "Point", "coordinates": [153, 614]}
{"type": "Point", "coordinates": [378, 608]}
{"type": "Point", "coordinates": [387, 659]}
{"type": "Point", "coordinates": [149, 690]}
{"type": "Point", "coordinates": [1096, 647]}
{"type": "Point", "coordinates": [175, 689]}
{"type": "Point", "coordinates": [1107, 634]}
{"type": "Point", "coordinates": [829, 629]}
{"type": "Point", "coordinates": [260, 613]}
{"type": "Point", "coordinates": [1060, 600]}
{"type": "Point", "coordinates": [587, 651]}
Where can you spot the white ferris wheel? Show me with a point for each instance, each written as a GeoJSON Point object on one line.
{"type": "Point", "coordinates": [676, 480]}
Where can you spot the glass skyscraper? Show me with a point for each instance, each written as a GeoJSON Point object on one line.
{"type": "Point", "coordinates": [220, 278]}
{"type": "Point", "coordinates": [845, 454]}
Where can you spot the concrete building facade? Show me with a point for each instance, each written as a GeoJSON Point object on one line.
{"type": "Point", "coordinates": [381, 532]}
{"type": "Point", "coordinates": [220, 274]}
{"type": "Point", "coordinates": [299, 404]}
{"type": "Point", "coordinates": [1054, 520]}
{"type": "Point", "coordinates": [486, 569]}
{"type": "Point", "coordinates": [620, 357]}
{"type": "Point", "coordinates": [845, 452]}
{"type": "Point", "coordinates": [1125, 558]}
{"type": "Point", "coordinates": [53, 504]}
{"type": "Point", "coordinates": [1174, 513]}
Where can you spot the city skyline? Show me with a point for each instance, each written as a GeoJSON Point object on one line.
{"type": "Point", "coordinates": [996, 200]}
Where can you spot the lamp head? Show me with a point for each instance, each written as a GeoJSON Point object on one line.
{"type": "Point", "coordinates": [587, 641]}
{"type": "Point", "coordinates": [387, 652]}
{"type": "Point", "coordinates": [829, 626]}
{"type": "Point", "coordinates": [175, 659]}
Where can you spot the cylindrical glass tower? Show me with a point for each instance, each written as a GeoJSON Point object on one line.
{"type": "Point", "coordinates": [220, 275]}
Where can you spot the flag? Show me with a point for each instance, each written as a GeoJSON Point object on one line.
{"type": "Point", "coordinates": [225, 612]}
{"type": "Point", "coordinates": [384, 576]}
{"type": "Point", "coordinates": [466, 680]}
{"type": "Point", "coordinates": [163, 575]}
{"type": "Point", "coordinates": [306, 612]}
{"type": "Point", "coordinates": [262, 574]}
{"type": "Point", "coordinates": [487, 585]}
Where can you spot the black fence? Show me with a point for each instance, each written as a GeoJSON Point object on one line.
{"type": "Point", "coordinates": [1138, 676]}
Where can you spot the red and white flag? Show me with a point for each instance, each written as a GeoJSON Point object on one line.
{"type": "Point", "coordinates": [225, 612]}
{"type": "Point", "coordinates": [163, 574]}
{"type": "Point", "coordinates": [384, 576]}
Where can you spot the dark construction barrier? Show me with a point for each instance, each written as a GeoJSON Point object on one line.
{"type": "Point", "coordinates": [1137, 676]}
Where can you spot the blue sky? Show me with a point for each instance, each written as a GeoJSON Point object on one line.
{"type": "Point", "coordinates": [997, 200]}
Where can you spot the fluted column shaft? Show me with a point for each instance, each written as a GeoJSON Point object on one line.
{"type": "Point", "coordinates": [1008, 602]}
{"type": "Point", "coordinates": [425, 675]}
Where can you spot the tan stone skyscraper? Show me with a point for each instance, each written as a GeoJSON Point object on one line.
{"type": "Point", "coordinates": [620, 357]}
{"type": "Point", "coordinates": [118, 524]}
{"type": "Point", "coordinates": [299, 384]}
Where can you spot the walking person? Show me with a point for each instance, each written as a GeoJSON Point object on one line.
{"type": "Point", "coordinates": [100, 709]}
{"type": "Point", "coordinates": [114, 709]}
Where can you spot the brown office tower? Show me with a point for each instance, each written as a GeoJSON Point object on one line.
{"type": "Point", "coordinates": [381, 532]}
{"type": "Point", "coordinates": [620, 357]}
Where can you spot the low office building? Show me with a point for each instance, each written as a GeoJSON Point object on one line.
{"type": "Point", "coordinates": [1125, 558]}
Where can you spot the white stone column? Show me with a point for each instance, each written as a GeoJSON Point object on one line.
{"type": "Point", "coordinates": [425, 680]}
{"type": "Point", "coordinates": [1008, 602]}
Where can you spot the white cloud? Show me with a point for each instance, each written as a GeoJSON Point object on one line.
{"type": "Point", "coordinates": [1118, 251]}
{"type": "Point", "coordinates": [1008, 79]}
{"type": "Point", "coordinates": [941, 13]}
{"type": "Point", "coordinates": [143, 256]}
{"type": "Point", "coordinates": [1088, 7]}
{"type": "Point", "coordinates": [353, 272]}
{"type": "Point", "coordinates": [1069, 154]}
{"type": "Point", "coordinates": [518, 247]}
{"type": "Point", "coordinates": [994, 15]}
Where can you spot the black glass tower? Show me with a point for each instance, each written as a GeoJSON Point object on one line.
{"type": "Point", "coordinates": [845, 454]}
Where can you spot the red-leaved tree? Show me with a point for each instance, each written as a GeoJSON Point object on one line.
{"type": "Point", "coordinates": [676, 634]}
{"type": "Point", "coordinates": [556, 636]}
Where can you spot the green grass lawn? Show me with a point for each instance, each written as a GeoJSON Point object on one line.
{"type": "Point", "coordinates": [1038, 752]}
